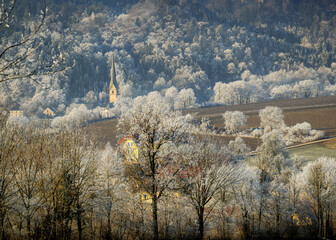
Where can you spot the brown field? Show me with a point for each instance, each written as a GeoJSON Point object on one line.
{"type": "Point", "coordinates": [319, 112]}
{"type": "Point", "coordinates": [330, 144]}
{"type": "Point", "coordinates": [104, 131]}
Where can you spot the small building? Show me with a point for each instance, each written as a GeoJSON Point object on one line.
{"type": "Point", "coordinates": [49, 112]}
{"type": "Point", "coordinates": [130, 150]}
{"type": "Point", "coordinates": [105, 113]}
{"type": "Point", "coordinates": [15, 111]}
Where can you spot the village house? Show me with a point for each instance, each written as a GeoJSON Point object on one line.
{"type": "Point", "coordinates": [130, 152]}
{"type": "Point", "coordinates": [105, 113]}
{"type": "Point", "coordinates": [15, 111]}
{"type": "Point", "coordinates": [49, 112]}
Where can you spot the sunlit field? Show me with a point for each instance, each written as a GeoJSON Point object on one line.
{"type": "Point", "coordinates": [312, 152]}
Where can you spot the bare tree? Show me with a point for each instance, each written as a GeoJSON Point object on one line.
{"type": "Point", "coordinates": [23, 57]}
{"type": "Point", "coordinates": [246, 198]}
{"type": "Point", "coordinates": [207, 171]}
{"type": "Point", "coordinates": [155, 129]}
{"type": "Point", "coordinates": [318, 186]}
{"type": "Point", "coordinates": [30, 175]}
{"type": "Point", "coordinates": [112, 188]}
{"type": "Point", "coordinates": [67, 186]}
{"type": "Point", "coordinates": [11, 138]}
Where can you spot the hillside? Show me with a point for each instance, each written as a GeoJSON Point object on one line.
{"type": "Point", "coordinates": [230, 52]}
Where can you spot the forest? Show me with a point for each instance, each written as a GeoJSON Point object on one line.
{"type": "Point", "coordinates": [256, 49]}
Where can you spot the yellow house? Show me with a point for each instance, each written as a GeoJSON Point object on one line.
{"type": "Point", "coordinates": [49, 112]}
{"type": "Point", "coordinates": [147, 198]}
{"type": "Point", "coordinates": [15, 111]}
{"type": "Point", "coordinates": [299, 222]}
{"type": "Point", "coordinates": [130, 152]}
{"type": "Point", "coordinates": [105, 113]}
{"type": "Point", "coordinates": [130, 149]}
{"type": "Point", "coordinates": [112, 89]}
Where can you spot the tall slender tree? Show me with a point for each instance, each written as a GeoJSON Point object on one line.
{"type": "Point", "coordinates": [156, 129]}
{"type": "Point", "coordinates": [207, 171]}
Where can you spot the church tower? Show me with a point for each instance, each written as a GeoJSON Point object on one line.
{"type": "Point", "coordinates": [112, 88]}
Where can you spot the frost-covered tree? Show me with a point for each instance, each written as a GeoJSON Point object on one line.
{"type": "Point", "coordinates": [70, 185]}
{"type": "Point", "coordinates": [126, 90]}
{"type": "Point", "coordinates": [234, 121]}
{"type": "Point", "coordinates": [238, 149]}
{"type": "Point", "coordinates": [277, 208]}
{"type": "Point", "coordinates": [102, 96]}
{"type": "Point", "coordinates": [271, 118]}
{"type": "Point", "coordinates": [20, 56]}
{"type": "Point", "coordinates": [272, 156]}
{"type": "Point", "coordinates": [171, 96]}
{"type": "Point", "coordinates": [284, 91]}
{"type": "Point", "coordinates": [307, 88]}
{"type": "Point", "coordinates": [156, 129]}
{"type": "Point", "coordinates": [273, 162]}
{"type": "Point", "coordinates": [301, 132]}
{"type": "Point", "coordinates": [237, 92]}
{"type": "Point", "coordinates": [318, 188]}
{"type": "Point", "coordinates": [205, 125]}
{"type": "Point", "coordinates": [207, 171]}
{"type": "Point", "coordinates": [246, 197]}
{"type": "Point", "coordinates": [185, 99]}
{"type": "Point", "coordinates": [159, 83]}
{"type": "Point", "coordinates": [112, 190]}
{"type": "Point", "coordinates": [30, 176]}
{"type": "Point", "coordinates": [77, 115]}
{"type": "Point", "coordinates": [11, 137]}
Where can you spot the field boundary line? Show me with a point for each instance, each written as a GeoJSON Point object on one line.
{"type": "Point", "coordinates": [308, 143]}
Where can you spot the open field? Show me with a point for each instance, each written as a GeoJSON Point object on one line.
{"type": "Point", "coordinates": [104, 131]}
{"type": "Point", "coordinates": [315, 150]}
{"type": "Point", "coordinates": [319, 112]}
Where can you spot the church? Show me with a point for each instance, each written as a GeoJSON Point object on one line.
{"type": "Point", "coordinates": [112, 89]}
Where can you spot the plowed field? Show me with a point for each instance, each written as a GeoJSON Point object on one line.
{"type": "Point", "coordinates": [319, 112]}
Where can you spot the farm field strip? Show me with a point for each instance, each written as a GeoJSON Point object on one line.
{"type": "Point", "coordinates": [319, 112]}
{"type": "Point", "coordinates": [310, 143]}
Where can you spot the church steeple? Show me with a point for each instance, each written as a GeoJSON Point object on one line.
{"type": "Point", "coordinates": [112, 89]}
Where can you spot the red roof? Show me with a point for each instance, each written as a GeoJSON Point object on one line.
{"type": "Point", "coordinates": [124, 139]}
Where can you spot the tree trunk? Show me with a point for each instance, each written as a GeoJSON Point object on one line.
{"type": "Point", "coordinates": [155, 218]}
{"type": "Point", "coordinates": [2, 222]}
{"type": "Point", "coordinates": [54, 219]}
{"type": "Point", "coordinates": [28, 219]}
{"type": "Point", "coordinates": [201, 222]}
{"type": "Point", "coordinates": [277, 220]}
{"type": "Point", "coordinates": [109, 230]}
{"type": "Point", "coordinates": [29, 226]}
{"type": "Point", "coordinates": [246, 225]}
{"type": "Point", "coordinates": [154, 196]}
{"type": "Point", "coordinates": [79, 221]}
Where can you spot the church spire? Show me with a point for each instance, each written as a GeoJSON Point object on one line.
{"type": "Point", "coordinates": [113, 74]}
{"type": "Point", "coordinates": [112, 88]}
